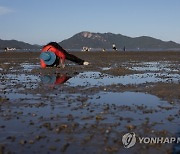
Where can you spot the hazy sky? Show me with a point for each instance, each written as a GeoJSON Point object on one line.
{"type": "Point", "coordinates": [41, 21]}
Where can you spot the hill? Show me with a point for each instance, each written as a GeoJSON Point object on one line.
{"type": "Point", "coordinates": [16, 44]}
{"type": "Point", "coordinates": [105, 40]}
{"type": "Point", "coordinates": [99, 41]}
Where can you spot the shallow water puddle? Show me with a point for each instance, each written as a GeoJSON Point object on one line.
{"type": "Point", "coordinates": [17, 96]}
{"type": "Point", "coordinates": [22, 78]}
{"type": "Point", "coordinates": [110, 107]}
{"type": "Point", "coordinates": [138, 106]}
{"type": "Point", "coordinates": [98, 79]}
{"type": "Point", "coordinates": [164, 66]}
{"type": "Point", "coordinates": [29, 67]}
{"type": "Point", "coordinates": [17, 82]}
{"type": "Point", "coordinates": [19, 78]}
{"type": "Point", "coordinates": [128, 98]}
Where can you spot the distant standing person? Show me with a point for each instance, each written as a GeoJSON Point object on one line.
{"type": "Point", "coordinates": [53, 54]}
{"type": "Point", "coordinates": [114, 47]}
{"type": "Point", "coordinates": [124, 49]}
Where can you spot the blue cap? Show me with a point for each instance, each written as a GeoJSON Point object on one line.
{"type": "Point", "coordinates": [48, 57]}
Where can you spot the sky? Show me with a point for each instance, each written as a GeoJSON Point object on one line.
{"type": "Point", "coordinates": [42, 21]}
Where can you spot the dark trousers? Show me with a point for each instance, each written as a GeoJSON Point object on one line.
{"type": "Point", "coordinates": [73, 58]}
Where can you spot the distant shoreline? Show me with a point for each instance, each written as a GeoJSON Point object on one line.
{"type": "Point", "coordinates": [97, 50]}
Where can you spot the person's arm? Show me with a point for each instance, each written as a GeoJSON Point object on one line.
{"type": "Point", "coordinates": [43, 64]}
{"type": "Point", "coordinates": [61, 56]}
{"type": "Point", "coordinates": [62, 63]}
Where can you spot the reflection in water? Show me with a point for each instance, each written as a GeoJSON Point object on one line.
{"type": "Point", "coordinates": [54, 79]}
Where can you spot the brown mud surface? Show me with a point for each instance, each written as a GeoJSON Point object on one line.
{"type": "Point", "coordinates": [87, 109]}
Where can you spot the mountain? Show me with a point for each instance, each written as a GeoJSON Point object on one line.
{"type": "Point", "coordinates": [105, 40]}
{"type": "Point", "coordinates": [99, 41]}
{"type": "Point", "coordinates": [16, 44]}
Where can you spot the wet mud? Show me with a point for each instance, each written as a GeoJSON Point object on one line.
{"type": "Point", "coordinates": [87, 109]}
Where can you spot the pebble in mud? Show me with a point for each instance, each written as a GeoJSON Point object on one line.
{"type": "Point", "coordinates": [31, 141]}
{"type": "Point", "coordinates": [47, 125]}
{"type": "Point", "coordinates": [61, 127]}
{"type": "Point", "coordinates": [12, 138]}
{"type": "Point", "coordinates": [130, 127]}
{"type": "Point", "coordinates": [22, 142]}
{"type": "Point", "coordinates": [39, 137]}
{"type": "Point", "coordinates": [170, 118]}
{"type": "Point", "coordinates": [65, 146]}
{"type": "Point", "coordinates": [99, 117]}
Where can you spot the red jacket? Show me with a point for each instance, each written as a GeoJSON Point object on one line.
{"type": "Point", "coordinates": [57, 52]}
{"type": "Point", "coordinates": [61, 79]}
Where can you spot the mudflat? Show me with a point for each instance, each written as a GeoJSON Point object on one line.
{"type": "Point", "coordinates": [88, 109]}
